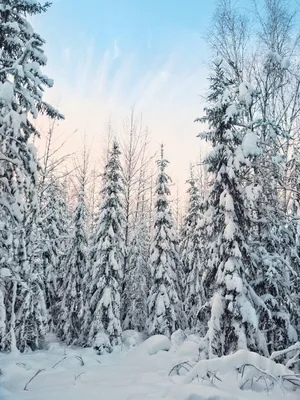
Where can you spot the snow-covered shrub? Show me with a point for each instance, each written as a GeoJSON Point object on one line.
{"type": "Point", "coordinates": [189, 350]}
{"type": "Point", "coordinates": [131, 338]}
{"type": "Point", "coordinates": [102, 343]}
{"type": "Point", "coordinates": [155, 343]}
{"type": "Point", "coordinates": [254, 371]}
{"type": "Point", "coordinates": [177, 338]}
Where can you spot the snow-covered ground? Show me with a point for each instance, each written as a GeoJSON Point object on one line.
{"type": "Point", "coordinates": [139, 373]}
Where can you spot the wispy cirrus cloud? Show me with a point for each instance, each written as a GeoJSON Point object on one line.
{"type": "Point", "coordinates": [116, 50]}
{"type": "Point", "coordinates": [94, 85]}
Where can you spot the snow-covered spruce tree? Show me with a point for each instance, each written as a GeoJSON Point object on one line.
{"type": "Point", "coordinates": [272, 244]}
{"type": "Point", "coordinates": [55, 243]}
{"type": "Point", "coordinates": [192, 256]}
{"type": "Point", "coordinates": [107, 257]}
{"type": "Point", "coordinates": [137, 277]}
{"type": "Point", "coordinates": [165, 314]}
{"type": "Point", "coordinates": [276, 125]}
{"type": "Point", "coordinates": [274, 115]}
{"type": "Point", "coordinates": [29, 324]}
{"type": "Point", "coordinates": [21, 92]}
{"type": "Point", "coordinates": [233, 320]}
{"type": "Point", "coordinates": [272, 239]}
{"type": "Point", "coordinates": [31, 319]}
{"type": "Point", "coordinates": [71, 301]}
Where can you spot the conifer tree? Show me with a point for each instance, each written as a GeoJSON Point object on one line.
{"type": "Point", "coordinates": [164, 302]}
{"type": "Point", "coordinates": [233, 322]}
{"type": "Point", "coordinates": [192, 255]}
{"type": "Point", "coordinates": [272, 252]}
{"type": "Point", "coordinates": [31, 318]}
{"type": "Point", "coordinates": [28, 317]}
{"type": "Point", "coordinates": [273, 115]}
{"type": "Point", "coordinates": [137, 278]}
{"type": "Point", "coordinates": [55, 227]}
{"type": "Point", "coordinates": [107, 257]}
{"type": "Point", "coordinates": [273, 241]}
{"type": "Point", "coordinates": [21, 97]}
{"type": "Point", "coordinates": [71, 305]}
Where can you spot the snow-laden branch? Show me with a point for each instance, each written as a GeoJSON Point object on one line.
{"type": "Point", "coordinates": [234, 362]}
{"type": "Point", "coordinates": [280, 353]}
{"type": "Point", "coordinates": [294, 360]}
{"type": "Point", "coordinates": [10, 160]}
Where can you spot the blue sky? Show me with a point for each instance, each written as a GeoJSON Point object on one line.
{"type": "Point", "coordinates": [151, 27]}
{"type": "Point", "coordinates": [148, 30]}
{"type": "Point", "coordinates": [107, 56]}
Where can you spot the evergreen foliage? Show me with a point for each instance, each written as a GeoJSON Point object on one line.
{"type": "Point", "coordinates": [71, 307]}
{"type": "Point", "coordinates": [164, 302]}
{"type": "Point", "coordinates": [192, 255]}
{"type": "Point", "coordinates": [21, 98]}
{"type": "Point", "coordinates": [233, 322]}
{"type": "Point", "coordinates": [107, 257]}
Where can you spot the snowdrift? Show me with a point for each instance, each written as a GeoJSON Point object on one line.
{"type": "Point", "coordinates": [141, 371]}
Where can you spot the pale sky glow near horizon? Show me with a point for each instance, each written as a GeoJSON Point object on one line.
{"type": "Point", "coordinates": [108, 56]}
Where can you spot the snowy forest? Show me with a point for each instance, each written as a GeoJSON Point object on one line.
{"type": "Point", "coordinates": [104, 259]}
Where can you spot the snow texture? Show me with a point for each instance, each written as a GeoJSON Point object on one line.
{"type": "Point", "coordinates": [71, 373]}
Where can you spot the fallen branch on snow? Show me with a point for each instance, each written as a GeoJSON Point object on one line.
{"type": "Point", "coordinates": [55, 365]}
{"type": "Point", "coordinates": [76, 377]}
{"type": "Point", "coordinates": [36, 374]}
{"type": "Point", "coordinates": [186, 367]}
{"type": "Point", "coordinates": [183, 365]}
{"type": "Point", "coordinates": [261, 375]}
{"type": "Point", "coordinates": [79, 358]}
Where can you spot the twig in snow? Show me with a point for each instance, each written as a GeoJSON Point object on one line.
{"type": "Point", "coordinates": [264, 375]}
{"type": "Point", "coordinates": [36, 374]}
{"type": "Point", "coordinates": [212, 376]}
{"type": "Point", "coordinates": [292, 379]}
{"type": "Point", "coordinates": [77, 376]}
{"type": "Point", "coordinates": [80, 359]}
{"type": "Point", "coordinates": [59, 361]}
{"type": "Point", "coordinates": [179, 366]}
{"type": "Point", "coordinates": [23, 365]}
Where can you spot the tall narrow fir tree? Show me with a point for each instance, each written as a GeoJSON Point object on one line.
{"type": "Point", "coordinates": [192, 255]}
{"type": "Point", "coordinates": [71, 307]}
{"type": "Point", "coordinates": [107, 257]}
{"type": "Point", "coordinates": [165, 313]}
